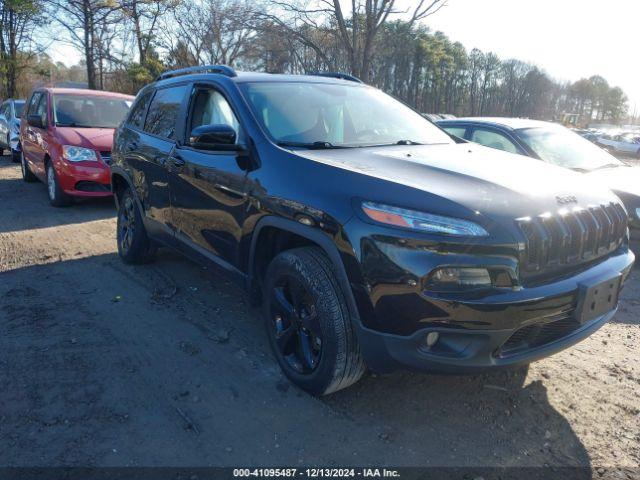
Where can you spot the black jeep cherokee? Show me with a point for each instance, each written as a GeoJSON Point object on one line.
{"type": "Point", "coordinates": [371, 237]}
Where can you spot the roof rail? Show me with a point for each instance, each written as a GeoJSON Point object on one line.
{"type": "Point", "coordinates": [340, 75]}
{"type": "Point", "coordinates": [221, 69]}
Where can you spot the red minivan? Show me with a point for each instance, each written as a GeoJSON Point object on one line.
{"type": "Point", "coordinates": [66, 137]}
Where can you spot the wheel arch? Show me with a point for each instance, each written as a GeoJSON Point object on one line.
{"type": "Point", "coordinates": [298, 235]}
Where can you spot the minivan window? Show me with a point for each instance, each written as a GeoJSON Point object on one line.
{"type": "Point", "coordinates": [18, 105]}
{"type": "Point", "coordinates": [337, 114]}
{"type": "Point", "coordinates": [33, 103]}
{"type": "Point", "coordinates": [90, 111]}
{"type": "Point", "coordinates": [163, 112]}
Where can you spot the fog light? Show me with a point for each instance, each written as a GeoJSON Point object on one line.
{"type": "Point", "coordinates": [432, 338]}
{"type": "Point", "coordinates": [453, 278]}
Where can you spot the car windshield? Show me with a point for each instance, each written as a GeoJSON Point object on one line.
{"type": "Point", "coordinates": [89, 111]}
{"type": "Point", "coordinates": [323, 115]}
{"type": "Point", "coordinates": [557, 145]}
{"type": "Point", "coordinates": [18, 105]}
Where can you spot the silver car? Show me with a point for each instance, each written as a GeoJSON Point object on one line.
{"type": "Point", "coordinates": [10, 113]}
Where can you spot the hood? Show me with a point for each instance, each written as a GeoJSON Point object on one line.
{"type": "Point", "coordinates": [100, 139]}
{"type": "Point", "coordinates": [484, 180]}
{"type": "Point", "coordinates": [619, 179]}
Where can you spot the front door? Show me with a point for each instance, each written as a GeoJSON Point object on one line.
{"type": "Point", "coordinates": [208, 187]}
{"type": "Point", "coordinates": [34, 140]}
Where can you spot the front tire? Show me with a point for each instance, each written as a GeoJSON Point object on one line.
{"type": "Point", "coordinates": [134, 245]}
{"type": "Point", "coordinates": [27, 176]}
{"type": "Point", "coordinates": [57, 197]}
{"type": "Point", "coordinates": [308, 322]}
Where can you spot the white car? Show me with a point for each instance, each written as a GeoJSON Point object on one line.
{"type": "Point", "coordinates": [626, 143]}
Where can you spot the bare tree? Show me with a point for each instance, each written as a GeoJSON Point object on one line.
{"type": "Point", "coordinates": [18, 19]}
{"type": "Point", "coordinates": [145, 18]}
{"type": "Point", "coordinates": [357, 26]}
{"type": "Point", "coordinates": [83, 20]}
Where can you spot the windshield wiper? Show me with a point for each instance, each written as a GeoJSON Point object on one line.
{"type": "Point", "coordinates": [320, 145]}
{"type": "Point", "coordinates": [407, 142]}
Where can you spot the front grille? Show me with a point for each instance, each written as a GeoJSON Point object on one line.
{"type": "Point", "coordinates": [571, 238]}
{"type": "Point", "coordinates": [539, 334]}
{"type": "Point", "coordinates": [106, 157]}
{"type": "Point", "coordinates": [88, 186]}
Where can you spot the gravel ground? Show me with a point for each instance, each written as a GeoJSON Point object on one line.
{"type": "Point", "coordinates": [166, 364]}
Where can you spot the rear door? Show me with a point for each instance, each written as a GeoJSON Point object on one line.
{"type": "Point", "coordinates": [208, 187]}
{"type": "Point", "coordinates": [148, 141]}
{"type": "Point", "coordinates": [36, 138]}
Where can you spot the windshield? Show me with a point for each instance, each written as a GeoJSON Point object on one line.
{"type": "Point", "coordinates": [325, 115]}
{"type": "Point", "coordinates": [557, 145]}
{"type": "Point", "coordinates": [18, 105]}
{"type": "Point", "coordinates": [89, 111]}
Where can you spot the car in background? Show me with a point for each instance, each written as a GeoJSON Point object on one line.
{"type": "Point", "coordinates": [625, 143]}
{"type": "Point", "coordinates": [371, 237]}
{"type": "Point", "coordinates": [10, 113]}
{"type": "Point", "coordinates": [66, 139]}
{"type": "Point", "coordinates": [555, 144]}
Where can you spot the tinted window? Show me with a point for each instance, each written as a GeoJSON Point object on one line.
{"type": "Point", "coordinates": [89, 111]}
{"type": "Point", "coordinates": [18, 106]}
{"type": "Point", "coordinates": [211, 108]}
{"type": "Point", "coordinates": [33, 104]}
{"type": "Point", "coordinates": [136, 119]}
{"type": "Point", "coordinates": [163, 112]}
{"type": "Point", "coordinates": [492, 139]}
{"type": "Point", "coordinates": [456, 131]}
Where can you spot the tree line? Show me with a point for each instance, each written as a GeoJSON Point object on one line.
{"type": "Point", "coordinates": [125, 44]}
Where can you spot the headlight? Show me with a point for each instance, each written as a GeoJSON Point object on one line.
{"type": "Point", "coordinates": [78, 154]}
{"type": "Point", "coordinates": [425, 222]}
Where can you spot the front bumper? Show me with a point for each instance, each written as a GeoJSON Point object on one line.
{"type": "Point", "coordinates": [85, 179]}
{"type": "Point", "coordinates": [481, 332]}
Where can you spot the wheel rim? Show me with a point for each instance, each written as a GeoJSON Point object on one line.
{"type": "Point", "coordinates": [127, 224]}
{"type": "Point", "coordinates": [51, 183]}
{"type": "Point", "coordinates": [295, 326]}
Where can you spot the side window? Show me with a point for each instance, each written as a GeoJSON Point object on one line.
{"type": "Point", "coordinates": [456, 131]}
{"type": "Point", "coordinates": [33, 103]}
{"type": "Point", "coordinates": [5, 110]}
{"type": "Point", "coordinates": [211, 108]}
{"type": "Point", "coordinates": [163, 112]}
{"type": "Point", "coordinates": [492, 139]}
{"type": "Point", "coordinates": [136, 117]}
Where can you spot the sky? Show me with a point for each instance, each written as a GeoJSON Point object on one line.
{"type": "Point", "coordinates": [569, 39]}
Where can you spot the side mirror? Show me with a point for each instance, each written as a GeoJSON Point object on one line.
{"type": "Point", "coordinates": [36, 120]}
{"type": "Point", "coordinates": [213, 137]}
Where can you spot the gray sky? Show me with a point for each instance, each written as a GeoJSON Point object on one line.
{"type": "Point", "coordinates": [569, 39]}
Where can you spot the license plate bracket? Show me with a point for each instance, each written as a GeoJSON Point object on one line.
{"type": "Point", "coordinates": [596, 299]}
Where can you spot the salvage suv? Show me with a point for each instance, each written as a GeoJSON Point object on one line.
{"type": "Point", "coordinates": [370, 237]}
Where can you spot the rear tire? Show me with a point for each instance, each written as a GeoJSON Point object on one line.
{"type": "Point", "coordinates": [27, 176]}
{"type": "Point", "coordinates": [57, 197]}
{"type": "Point", "coordinates": [308, 322]}
{"type": "Point", "coordinates": [134, 245]}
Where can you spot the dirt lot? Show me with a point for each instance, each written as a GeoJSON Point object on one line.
{"type": "Point", "coordinates": [103, 364]}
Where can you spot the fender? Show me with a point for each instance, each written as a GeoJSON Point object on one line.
{"type": "Point", "coordinates": [121, 172]}
{"type": "Point", "coordinates": [316, 236]}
